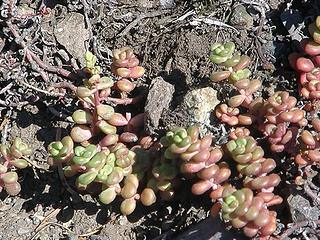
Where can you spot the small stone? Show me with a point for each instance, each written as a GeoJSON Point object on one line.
{"type": "Point", "coordinates": [144, 3]}
{"type": "Point", "coordinates": [159, 98]}
{"type": "Point", "coordinates": [72, 236]}
{"type": "Point", "coordinates": [167, 3]}
{"type": "Point", "coordinates": [64, 55]}
{"type": "Point", "coordinates": [71, 34]}
{"type": "Point", "coordinates": [122, 220]}
{"type": "Point", "coordinates": [169, 209]}
{"type": "Point", "coordinates": [301, 209]}
{"type": "Point", "coordinates": [199, 104]}
{"type": "Point", "coordinates": [96, 237]}
{"type": "Point", "coordinates": [240, 18]}
{"type": "Point", "coordinates": [24, 9]}
{"type": "Point", "coordinates": [22, 231]}
{"type": "Point", "coordinates": [36, 219]}
{"type": "Point", "coordinates": [5, 207]}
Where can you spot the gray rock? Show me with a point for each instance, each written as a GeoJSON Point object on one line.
{"type": "Point", "coordinates": [71, 33]}
{"type": "Point", "coordinates": [199, 104]}
{"type": "Point", "coordinates": [64, 55]}
{"type": "Point", "coordinates": [301, 209]}
{"type": "Point", "coordinates": [240, 18]}
{"type": "Point", "coordinates": [167, 3]}
{"type": "Point", "coordinates": [22, 231]}
{"type": "Point", "coordinates": [24, 9]}
{"type": "Point", "coordinates": [159, 98]}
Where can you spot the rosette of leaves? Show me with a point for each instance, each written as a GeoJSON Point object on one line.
{"type": "Point", "coordinates": [235, 64]}
{"type": "Point", "coordinates": [228, 114]}
{"type": "Point", "coordinates": [249, 156]}
{"type": "Point", "coordinates": [87, 91]}
{"type": "Point", "coordinates": [125, 64]}
{"type": "Point", "coordinates": [281, 108]}
{"type": "Point", "coordinates": [220, 54]}
{"type": "Point", "coordinates": [88, 124]}
{"type": "Point", "coordinates": [309, 152]}
{"type": "Point", "coordinates": [60, 151]}
{"type": "Point", "coordinates": [314, 30]}
{"type": "Point", "coordinates": [197, 156]}
{"type": "Point", "coordinates": [281, 137]}
{"type": "Point", "coordinates": [12, 156]}
{"type": "Point", "coordinates": [88, 162]}
{"type": "Point", "coordinates": [247, 211]}
{"type": "Point", "coordinates": [178, 141]}
{"type": "Point", "coordinates": [90, 64]}
{"type": "Point", "coordinates": [308, 68]}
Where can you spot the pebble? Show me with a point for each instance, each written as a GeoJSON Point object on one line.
{"type": "Point", "coordinates": [301, 209]}
{"type": "Point", "coordinates": [96, 237]}
{"type": "Point", "coordinates": [72, 34]}
{"type": "Point", "coordinates": [64, 55]}
{"type": "Point", "coordinates": [240, 18]}
{"type": "Point", "coordinates": [199, 104]}
{"type": "Point", "coordinates": [22, 231]}
{"type": "Point", "coordinates": [169, 209]}
{"type": "Point", "coordinates": [122, 220]}
{"type": "Point", "coordinates": [159, 98]}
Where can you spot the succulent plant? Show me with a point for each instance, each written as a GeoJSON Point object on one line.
{"type": "Point", "coordinates": [251, 163]}
{"type": "Point", "coordinates": [12, 156]}
{"type": "Point", "coordinates": [238, 76]}
{"type": "Point", "coordinates": [235, 64]}
{"type": "Point", "coordinates": [309, 152]}
{"type": "Point", "coordinates": [60, 151]}
{"type": "Point", "coordinates": [228, 114]}
{"type": "Point", "coordinates": [222, 53]}
{"type": "Point", "coordinates": [125, 64]}
{"type": "Point", "coordinates": [197, 156]}
{"type": "Point", "coordinates": [103, 163]}
{"type": "Point", "coordinates": [247, 211]}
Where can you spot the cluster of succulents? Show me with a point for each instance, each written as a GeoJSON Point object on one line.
{"type": "Point", "coordinates": [247, 207]}
{"type": "Point", "coordinates": [109, 154]}
{"type": "Point", "coordinates": [12, 156]}
{"type": "Point", "coordinates": [309, 151]}
{"type": "Point", "coordinates": [286, 126]}
{"type": "Point", "coordinates": [238, 75]}
{"type": "Point", "coordinates": [94, 152]}
{"type": "Point", "coordinates": [197, 157]}
{"type": "Point", "coordinates": [125, 64]}
{"type": "Point", "coordinates": [251, 163]}
{"type": "Point", "coordinates": [308, 66]}
{"type": "Point", "coordinates": [248, 211]}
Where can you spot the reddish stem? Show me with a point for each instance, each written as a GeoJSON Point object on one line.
{"type": "Point", "coordinates": [122, 101]}
{"type": "Point", "coordinates": [95, 113]}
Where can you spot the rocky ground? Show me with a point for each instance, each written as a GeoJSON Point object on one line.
{"type": "Point", "coordinates": [172, 41]}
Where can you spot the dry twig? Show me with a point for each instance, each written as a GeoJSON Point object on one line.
{"type": "Point", "coordinates": [75, 197]}
{"type": "Point", "coordinates": [34, 164]}
{"type": "Point", "coordinates": [294, 227]}
{"type": "Point", "coordinates": [139, 18]}
{"type": "Point", "coordinates": [197, 21]}
{"type": "Point", "coordinates": [35, 62]}
{"type": "Point", "coordinates": [310, 193]}
{"type": "Point", "coordinates": [3, 123]}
